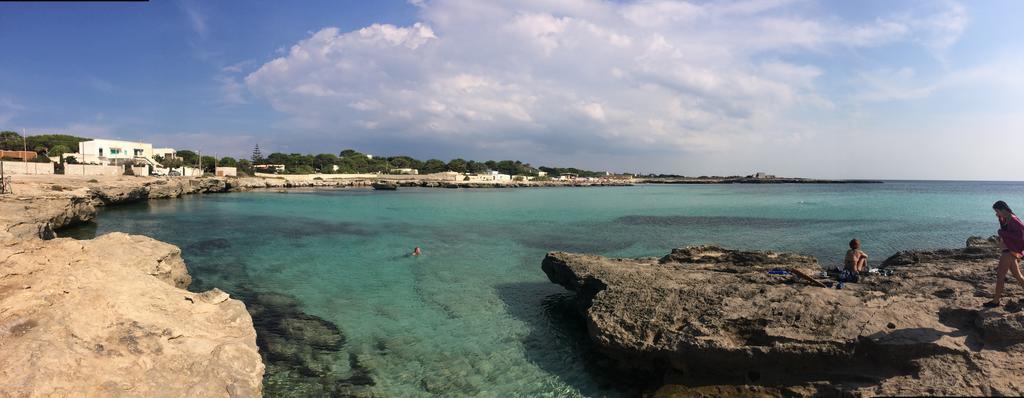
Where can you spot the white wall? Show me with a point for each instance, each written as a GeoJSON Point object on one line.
{"type": "Point", "coordinates": [226, 172]}
{"type": "Point", "coordinates": [92, 170]}
{"type": "Point", "coordinates": [27, 168]}
{"type": "Point", "coordinates": [140, 170]}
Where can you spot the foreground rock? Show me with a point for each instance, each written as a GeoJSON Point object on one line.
{"type": "Point", "coordinates": [707, 320]}
{"type": "Point", "coordinates": [109, 317]}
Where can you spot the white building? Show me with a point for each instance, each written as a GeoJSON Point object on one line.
{"type": "Point", "coordinates": [404, 171]}
{"type": "Point", "coordinates": [107, 152]}
{"type": "Point", "coordinates": [166, 153]}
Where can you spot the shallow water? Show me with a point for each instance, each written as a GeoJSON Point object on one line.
{"type": "Point", "coordinates": [475, 315]}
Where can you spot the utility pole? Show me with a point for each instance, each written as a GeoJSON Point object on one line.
{"type": "Point", "coordinates": [24, 148]}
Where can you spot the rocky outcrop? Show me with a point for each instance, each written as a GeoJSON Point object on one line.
{"type": "Point", "coordinates": [109, 317]}
{"type": "Point", "coordinates": [708, 319]}
{"type": "Point", "coordinates": [39, 218]}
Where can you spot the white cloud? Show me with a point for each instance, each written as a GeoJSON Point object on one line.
{"type": "Point", "coordinates": [232, 92]}
{"type": "Point", "coordinates": [196, 18]}
{"type": "Point", "coordinates": [580, 75]}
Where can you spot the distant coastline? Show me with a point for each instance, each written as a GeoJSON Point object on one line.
{"type": "Point", "coordinates": [746, 180]}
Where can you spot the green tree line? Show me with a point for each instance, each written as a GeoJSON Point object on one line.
{"type": "Point", "coordinates": [351, 161]}
{"type": "Point", "coordinates": [42, 144]}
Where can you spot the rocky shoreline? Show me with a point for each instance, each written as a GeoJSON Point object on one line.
{"type": "Point", "coordinates": [707, 321]}
{"type": "Point", "coordinates": [110, 316]}
{"type": "Point", "coordinates": [746, 180]}
{"type": "Point", "coordinates": [117, 308]}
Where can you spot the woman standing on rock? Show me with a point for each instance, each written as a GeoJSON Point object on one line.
{"type": "Point", "coordinates": [1011, 240]}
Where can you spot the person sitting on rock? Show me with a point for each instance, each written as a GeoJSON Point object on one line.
{"type": "Point", "coordinates": [856, 259]}
{"type": "Point", "coordinates": [1011, 240]}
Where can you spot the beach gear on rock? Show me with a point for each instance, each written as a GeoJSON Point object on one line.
{"type": "Point", "coordinates": [806, 277]}
{"type": "Point", "coordinates": [778, 272]}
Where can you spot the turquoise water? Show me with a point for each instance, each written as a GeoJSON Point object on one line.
{"type": "Point", "coordinates": [475, 315]}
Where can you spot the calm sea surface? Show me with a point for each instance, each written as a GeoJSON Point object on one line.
{"type": "Point", "coordinates": [475, 315]}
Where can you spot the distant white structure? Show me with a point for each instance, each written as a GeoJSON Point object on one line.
{"type": "Point", "coordinates": [269, 167]}
{"type": "Point", "coordinates": [117, 152]}
{"type": "Point", "coordinates": [166, 153]}
{"type": "Point", "coordinates": [405, 171]}
{"type": "Point", "coordinates": [542, 174]}
{"type": "Point", "coordinates": [763, 175]}
{"type": "Point", "coordinates": [226, 171]}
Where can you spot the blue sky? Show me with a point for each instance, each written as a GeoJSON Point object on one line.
{"type": "Point", "coordinates": [876, 89]}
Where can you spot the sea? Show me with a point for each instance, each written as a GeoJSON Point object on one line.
{"type": "Point", "coordinates": [474, 315]}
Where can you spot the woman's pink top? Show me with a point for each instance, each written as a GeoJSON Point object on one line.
{"type": "Point", "coordinates": [1013, 235]}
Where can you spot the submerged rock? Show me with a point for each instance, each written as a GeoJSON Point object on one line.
{"type": "Point", "coordinates": [209, 245]}
{"type": "Point", "coordinates": [711, 317]}
{"type": "Point", "coordinates": [304, 353]}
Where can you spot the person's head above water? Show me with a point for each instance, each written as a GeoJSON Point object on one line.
{"type": "Point", "coordinates": [416, 251]}
{"type": "Point", "coordinates": [855, 244]}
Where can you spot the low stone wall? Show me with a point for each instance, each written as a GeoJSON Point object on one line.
{"type": "Point", "coordinates": [93, 170]}
{"type": "Point", "coordinates": [140, 170]}
{"type": "Point", "coordinates": [27, 168]}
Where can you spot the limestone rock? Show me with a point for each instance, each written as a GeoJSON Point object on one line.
{"type": "Point", "coordinates": [712, 319]}
{"type": "Point", "coordinates": [108, 317]}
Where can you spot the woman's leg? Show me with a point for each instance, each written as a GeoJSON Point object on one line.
{"type": "Point", "coordinates": [1004, 265]}
{"type": "Point", "coordinates": [1015, 269]}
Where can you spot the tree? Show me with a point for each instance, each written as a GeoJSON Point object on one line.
{"type": "Point", "coordinates": [433, 166]}
{"type": "Point", "coordinates": [475, 167]}
{"type": "Point", "coordinates": [209, 164]}
{"type": "Point", "coordinates": [491, 164]}
{"type": "Point", "coordinates": [325, 162]}
{"type": "Point", "coordinates": [58, 150]}
{"type": "Point", "coordinates": [278, 158]}
{"type": "Point", "coordinates": [457, 165]}
{"type": "Point", "coordinates": [173, 163]}
{"type": "Point", "coordinates": [10, 141]}
{"type": "Point", "coordinates": [70, 160]}
{"type": "Point", "coordinates": [49, 141]}
{"type": "Point", "coordinates": [228, 162]}
{"type": "Point", "coordinates": [400, 162]}
{"type": "Point", "coordinates": [188, 157]}
{"type": "Point", "coordinates": [245, 167]}
{"type": "Point", "coordinates": [257, 156]}
{"type": "Point", "coordinates": [350, 152]}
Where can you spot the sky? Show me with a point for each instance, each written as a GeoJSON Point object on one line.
{"type": "Point", "coordinates": [927, 89]}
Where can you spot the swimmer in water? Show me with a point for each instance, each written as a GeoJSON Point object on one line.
{"type": "Point", "coordinates": [416, 251]}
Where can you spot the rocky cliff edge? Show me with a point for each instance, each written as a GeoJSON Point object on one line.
{"type": "Point", "coordinates": [109, 317]}
{"type": "Point", "coordinates": [711, 321]}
